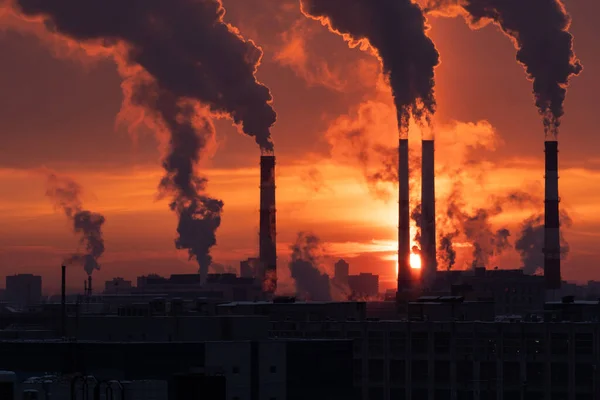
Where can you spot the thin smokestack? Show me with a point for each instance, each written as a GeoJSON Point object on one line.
{"type": "Point", "coordinates": [268, 231]}
{"type": "Point", "coordinates": [428, 231]}
{"type": "Point", "coordinates": [63, 301]}
{"type": "Point", "coordinates": [552, 219]}
{"type": "Point", "coordinates": [404, 272]}
{"type": "Point", "coordinates": [89, 285]}
{"type": "Point", "coordinates": [85, 290]}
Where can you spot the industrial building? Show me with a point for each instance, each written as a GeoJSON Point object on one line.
{"type": "Point", "coordinates": [23, 289]}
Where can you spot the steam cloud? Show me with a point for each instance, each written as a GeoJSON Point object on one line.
{"type": "Point", "coordinates": [477, 227]}
{"type": "Point", "coordinates": [65, 194]}
{"type": "Point", "coordinates": [396, 31]}
{"type": "Point", "coordinates": [539, 29]}
{"type": "Point", "coordinates": [175, 57]}
{"type": "Point", "coordinates": [530, 243]}
{"type": "Point", "coordinates": [306, 256]}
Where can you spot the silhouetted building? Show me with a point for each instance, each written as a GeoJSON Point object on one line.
{"type": "Point", "coordinates": [364, 285]}
{"type": "Point", "coordinates": [568, 309]}
{"type": "Point", "coordinates": [23, 289]}
{"type": "Point", "coordinates": [342, 270]}
{"type": "Point", "coordinates": [250, 268]}
{"type": "Point", "coordinates": [117, 285]}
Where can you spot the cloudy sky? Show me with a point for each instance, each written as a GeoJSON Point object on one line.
{"type": "Point", "coordinates": [59, 111]}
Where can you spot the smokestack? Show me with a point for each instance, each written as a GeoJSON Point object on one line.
{"type": "Point", "coordinates": [63, 301]}
{"type": "Point", "coordinates": [268, 232]}
{"type": "Point", "coordinates": [551, 219]}
{"type": "Point", "coordinates": [428, 234]}
{"type": "Point", "coordinates": [404, 272]}
{"type": "Point", "coordinates": [89, 285]}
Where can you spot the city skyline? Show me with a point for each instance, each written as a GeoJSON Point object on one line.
{"type": "Point", "coordinates": [318, 91]}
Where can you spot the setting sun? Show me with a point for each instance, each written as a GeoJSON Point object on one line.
{"type": "Point", "coordinates": [415, 261]}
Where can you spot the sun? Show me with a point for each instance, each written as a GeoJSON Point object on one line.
{"type": "Point", "coordinates": [415, 261]}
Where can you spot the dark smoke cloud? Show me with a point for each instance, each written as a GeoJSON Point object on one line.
{"type": "Point", "coordinates": [65, 194]}
{"type": "Point", "coordinates": [304, 266]}
{"type": "Point", "coordinates": [540, 30]}
{"type": "Point", "coordinates": [184, 45]}
{"type": "Point", "coordinates": [446, 251]}
{"type": "Point", "coordinates": [188, 57]}
{"type": "Point", "coordinates": [530, 243]}
{"type": "Point", "coordinates": [396, 30]}
{"type": "Point", "coordinates": [477, 228]}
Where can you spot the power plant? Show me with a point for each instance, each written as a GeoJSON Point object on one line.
{"type": "Point", "coordinates": [268, 228]}
{"type": "Point", "coordinates": [552, 219]}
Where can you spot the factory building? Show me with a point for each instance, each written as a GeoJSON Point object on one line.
{"type": "Point", "coordinates": [23, 289]}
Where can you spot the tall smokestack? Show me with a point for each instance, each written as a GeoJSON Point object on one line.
{"type": "Point", "coordinates": [428, 245]}
{"type": "Point", "coordinates": [63, 301]}
{"type": "Point", "coordinates": [404, 272]}
{"type": "Point", "coordinates": [551, 219]}
{"type": "Point", "coordinates": [89, 293]}
{"type": "Point", "coordinates": [268, 231]}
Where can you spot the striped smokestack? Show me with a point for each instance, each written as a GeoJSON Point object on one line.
{"type": "Point", "coordinates": [268, 232]}
{"type": "Point", "coordinates": [551, 219]}
{"type": "Point", "coordinates": [428, 244]}
{"type": "Point", "coordinates": [404, 272]}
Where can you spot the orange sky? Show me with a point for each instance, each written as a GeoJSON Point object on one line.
{"type": "Point", "coordinates": [58, 110]}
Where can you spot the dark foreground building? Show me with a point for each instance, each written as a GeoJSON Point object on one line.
{"type": "Point", "coordinates": [250, 370]}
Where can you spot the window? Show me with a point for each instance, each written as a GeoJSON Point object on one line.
{"type": "Point", "coordinates": [273, 369]}
{"type": "Point", "coordinates": [236, 370]}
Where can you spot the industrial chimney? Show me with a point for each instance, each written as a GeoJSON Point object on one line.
{"type": "Point", "coordinates": [404, 272]}
{"type": "Point", "coordinates": [63, 301]}
{"type": "Point", "coordinates": [89, 286]}
{"type": "Point", "coordinates": [268, 232]}
{"type": "Point", "coordinates": [551, 219]}
{"type": "Point", "coordinates": [428, 234]}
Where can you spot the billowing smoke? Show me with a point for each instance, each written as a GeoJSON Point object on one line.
{"type": "Point", "coordinates": [540, 31]}
{"type": "Point", "coordinates": [65, 194]}
{"type": "Point", "coordinates": [530, 243]}
{"type": "Point", "coordinates": [446, 251]}
{"type": "Point", "coordinates": [176, 57]}
{"type": "Point", "coordinates": [477, 228]}
{"type": "Point", "coordinates": [396, 31]}
{"type": "Point", "coordinates": [306, 258]}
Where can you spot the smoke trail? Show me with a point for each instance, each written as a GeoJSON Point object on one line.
{"type": "Point", "coordinates": [540, 31]}
{"type": "Point", "coordinates": [396, 32]}
{"type": "Point", "coordinates": [304, 266]}
{"type": "Point", "coordinates": [530, 243]}
{"type": "Point", "coordinates": [175, 56]}
{"type": "Point", "coordinates": [65, 194]}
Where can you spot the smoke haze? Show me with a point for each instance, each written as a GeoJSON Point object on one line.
{"type": "Point", "coordinates": [307, 253]}
{"type": "Point", "coordinates": [66, 195]}
{"type": "Point", "coordinates": [530, 243]}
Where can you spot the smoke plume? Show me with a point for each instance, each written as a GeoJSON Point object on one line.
{"type": "Point", "coordinates": [306, 257]}
{"type": "Point", "coordinates": [177, 58]}
{"type": "Point", "coordinates": [530, 243]}
{"type": "Point", "coordinates": [476, 226]}
{"type": "Point", "coordinates": [446, 249]}
{"type": "Point", "coordinates": [540, 31]}
{"type": "Point", "coordinates": [395, 30]}
{"type": "Point", "coordinates": [65, 194]}
{"type": "Point", "coordinates": [415, 215]}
